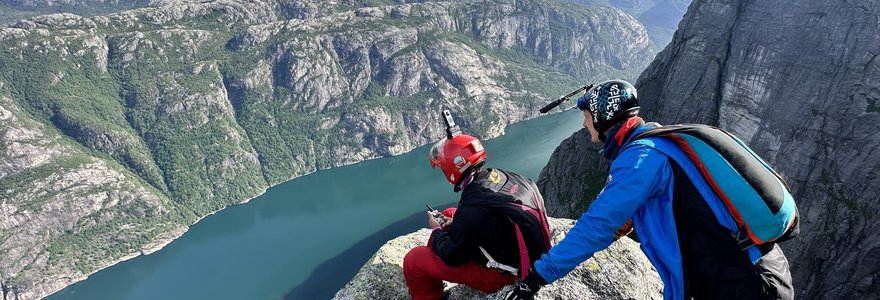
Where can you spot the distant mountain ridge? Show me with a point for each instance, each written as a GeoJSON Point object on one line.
{"type": "Point", "coordinates": [118, 131]}
{"type": "Point", "coordinates": [14, 10]}
{"type": "Point", "coordinates": [660, 17]}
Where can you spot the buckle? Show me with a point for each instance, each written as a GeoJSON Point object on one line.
{"type": "Point", "coordinates": [500, 268]}
{"type": "Point", "coordinates": [743, 241]}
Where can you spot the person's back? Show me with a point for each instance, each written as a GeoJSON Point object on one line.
{"type": "Point", "coordinates": [713, 266]}
{"type": "Point", "coordinates": [514, 201]}
{"type": "Point", "coordinates": [499, 216]}
{"type": "Point", "coordinates": [477, 224]}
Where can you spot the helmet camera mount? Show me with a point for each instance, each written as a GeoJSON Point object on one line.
{"type": "Point", "coordinates": [451, 129]}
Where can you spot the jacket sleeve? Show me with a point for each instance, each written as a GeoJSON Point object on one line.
{"type": "Point", "coordinates": [455, 243]}
{"type": "Point", "coordinates": [635, 177]}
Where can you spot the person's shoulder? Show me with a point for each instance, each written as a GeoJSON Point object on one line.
{"type": "Point", "coordinates": [514, 175]}
{"type": "Point", "coordinates": [639, 154]}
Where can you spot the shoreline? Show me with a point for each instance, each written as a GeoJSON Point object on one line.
{"type": "Point", "coordinates": [155, 246]}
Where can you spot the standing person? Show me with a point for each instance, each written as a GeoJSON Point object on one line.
{"type": "Point", "coordinates": [685, 230]}
{"type": "Point", "coordinates": [498, 227]}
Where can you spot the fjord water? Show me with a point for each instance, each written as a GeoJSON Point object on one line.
{"type": "Point", "coordinates": [305, 238]}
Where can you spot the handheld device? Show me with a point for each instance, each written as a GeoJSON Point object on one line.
{"type": "Point", "coordinates": [436, 215]}
{"type": "Point", "coordinates": [559, 101]}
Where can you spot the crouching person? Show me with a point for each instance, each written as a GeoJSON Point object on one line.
{"type": "Point", "coordinates": [694, 228]}
{"type": "Point", "coordinates": [498, 227]}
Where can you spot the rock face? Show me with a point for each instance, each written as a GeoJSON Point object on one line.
{"type": "Point", "coordinates": [800, 83]}
{"type": "Point", "coordinates": [620, 272]}
{"type": "Point", "coordinates": [137, 123]}
{"type": "Point", "coordinates": [573, 176]}
{"type": "Point", "coordinates": [49, 185]}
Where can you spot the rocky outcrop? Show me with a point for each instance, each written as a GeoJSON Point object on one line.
{"type": "Point", "coordinates": [802, 87]}
{"type": "Point", "coordinates": [573, 176]}
{"type": "Point", "coordinates": [164, 114]}
{"type": "Point", "coordinates": [620, 272]}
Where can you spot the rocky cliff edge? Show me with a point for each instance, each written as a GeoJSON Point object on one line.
{"type": "Point", "coordinates": [619, 272]}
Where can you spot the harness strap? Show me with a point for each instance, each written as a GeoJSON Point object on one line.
{"type": "Point", "coordinates": [497, 265]}
{"type": "Point", "coordinates": [523, 253]}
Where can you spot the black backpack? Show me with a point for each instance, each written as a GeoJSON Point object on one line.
{"type": "Point", "coordinates": [525, 209]}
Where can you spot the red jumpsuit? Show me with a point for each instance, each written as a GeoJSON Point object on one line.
{"type": "Point", "coordinates": [425, 272]}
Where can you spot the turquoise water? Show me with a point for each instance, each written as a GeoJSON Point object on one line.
{"type": "Point", "coordinates": [305, 238]}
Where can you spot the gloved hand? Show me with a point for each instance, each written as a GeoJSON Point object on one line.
{"type": "Point", "coordinates": [526, 289]}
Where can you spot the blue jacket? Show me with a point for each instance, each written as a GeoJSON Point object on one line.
{"type": "Point", "coordinates": [640, 186]}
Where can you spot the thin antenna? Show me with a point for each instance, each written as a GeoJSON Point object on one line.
{"type": "Point", "coordinates": [559, 101]}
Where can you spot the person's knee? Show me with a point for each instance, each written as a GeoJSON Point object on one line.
{"type": "Point", "coordinates": [449, 212]}
{"type": "Point", "coordinates": [415, 256]}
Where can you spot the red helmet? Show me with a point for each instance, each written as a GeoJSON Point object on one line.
{"type": "Point", "coordinates": [455, 156]}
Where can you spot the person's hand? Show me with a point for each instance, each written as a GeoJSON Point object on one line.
{"type": "Point", "coordinates": [447, 223]}
{"type": "Point", "coordinates": [432, 223]}
{"type": "Point", "coordinates": [526, 289]}
{"type": "Point", "coordinates": [521, 291]}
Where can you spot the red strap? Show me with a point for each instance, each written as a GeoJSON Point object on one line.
{"type": "Point", "coordinates": [523, 253]}
{"type": "Point", "coordinates": [689, 151]}
{"type": "Point", "coordinates": [625, 128]}
{"type": "Point", "coordinates": [545, 225]}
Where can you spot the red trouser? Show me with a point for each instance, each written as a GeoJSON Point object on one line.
{"type": "Point", "coordinates": [425, 272]}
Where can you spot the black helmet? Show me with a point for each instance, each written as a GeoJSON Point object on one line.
{"type": "Point", "coordinates": [610, 102]}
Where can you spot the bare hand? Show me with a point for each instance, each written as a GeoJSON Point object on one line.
{"type": "Point", "coordinates": [432, 223]}
{"type": "Point", "coordinates": [448, 221]}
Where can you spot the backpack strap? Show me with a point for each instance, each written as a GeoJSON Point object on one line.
{"type": "Point", "coordinates": [493, 264]}
{"type": "Point", "coordinates": [525, 201]}
{"type": "Point", "coordinates": [523, 253]}
{"type": "Point", "coordinates": [523, 256]}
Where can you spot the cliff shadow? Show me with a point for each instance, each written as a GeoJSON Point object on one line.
{"type": "Point", "coordinates": [332, 275]}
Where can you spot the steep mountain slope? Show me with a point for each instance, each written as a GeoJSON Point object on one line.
{"type": "Point", "coordinates": [120, 130]}
{"type": "Point", "coordinates": [798, 81]}
{"type": "Point", "coordinates": [660, 17]}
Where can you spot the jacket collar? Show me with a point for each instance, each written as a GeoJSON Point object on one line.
{"type": "Point", "coordinates": [619, 136]}
{"type": "Point", "coordinates": [469, 184]}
